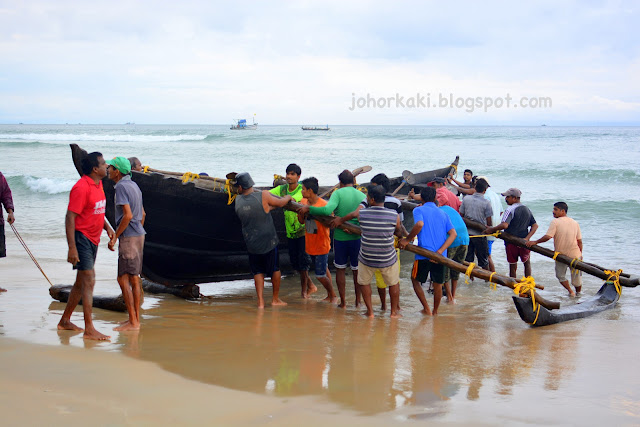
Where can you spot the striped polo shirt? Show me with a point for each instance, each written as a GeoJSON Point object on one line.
{"type": "Point", "coordinates": [378, 225]}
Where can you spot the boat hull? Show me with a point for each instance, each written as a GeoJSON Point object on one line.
{"type": "Point", "coordinates": [606, 298]}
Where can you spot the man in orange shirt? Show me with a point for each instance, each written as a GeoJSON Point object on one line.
{"type": "Point", "coordinates": [317, 238]}
{"type": "Point", "coordinates": [567, 240]}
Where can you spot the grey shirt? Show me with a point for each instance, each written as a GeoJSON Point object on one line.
{"type": "Point", "coordinates": [257, 226]}
{"type": "Point", "coordinates": [476, 208]}
{"type": "Point", "coordinates": [128, 193]}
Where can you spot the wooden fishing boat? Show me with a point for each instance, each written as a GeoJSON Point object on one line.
{"type": "Point", "coordinates": [606, 298]}
{"type": "Point", "coordinates": [193, 234]}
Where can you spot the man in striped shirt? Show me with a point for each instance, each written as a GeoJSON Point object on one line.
{"type": "Point", "coordinates": [377, 252]}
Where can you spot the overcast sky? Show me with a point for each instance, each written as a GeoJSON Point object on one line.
{"type": "Point", "coordinates": [208, 62]}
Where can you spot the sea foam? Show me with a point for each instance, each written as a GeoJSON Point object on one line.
{"type": "Point", "coordinates": [48, 185]}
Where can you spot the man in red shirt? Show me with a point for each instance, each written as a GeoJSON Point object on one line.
{"type": "Point", "coordinates": [84, 224]}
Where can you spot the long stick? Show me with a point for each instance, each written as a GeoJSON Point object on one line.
{"type": "Point", "coordinates": [508, 282]}
{"type": "Point", "coordinates": [24, 245]}
{"type": "Point", "coordinates": [588, 268]}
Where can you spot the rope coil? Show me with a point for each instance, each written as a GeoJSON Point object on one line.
{"type": "Point", "coordinates": [188, 176]}
{"type": "Point", "coordinates": [493, 285]}
{"type": "Point", "coordinates": [526, 286]}
{"type": "Point", "coordinates": [615, 275]}
{"type": "Point", "coordinates": [469, 271]}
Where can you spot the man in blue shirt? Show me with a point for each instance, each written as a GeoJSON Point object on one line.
{"type": "Point", "coordinates": [457, 251]}
{"type": "Point", "coordinates": [437, 236]}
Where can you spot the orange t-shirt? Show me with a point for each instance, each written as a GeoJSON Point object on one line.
{"type": "Point", "coordinates": [318, 242]}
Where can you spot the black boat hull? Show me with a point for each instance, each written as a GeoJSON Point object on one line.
{"type": "Point", "coordinates": [606, 298]}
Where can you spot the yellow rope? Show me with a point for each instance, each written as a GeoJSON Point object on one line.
{"type": "Point", "coordinates": [468, 272]}
{"type": "Point", "coordinates": [455, 167]}
{"type": "Point", "coordinates": [227, 188]}
{"type": "Point", "coordinates": [145, 169]}
{"type": "Point", "coordinates": [615, 275]}
{"type": "Point", "coordinates": [496, 234]}
{"type": "Point", "coordinates": [528, 284]}
{"type": "Point", "coordinates": [188, 176]}
{"type": "Point", "coordinates": [492, 284]}
{"type": "Point", "coordinates": [555, 255]}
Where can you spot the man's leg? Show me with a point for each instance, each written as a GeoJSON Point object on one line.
{"type": "Point", "coordinates": [513, 270]}
{"type": "Point", "coordinates": [310, 287]}
{"type": "Point", "coordinates": [447, 287]}
{"type": "Point", "coordinates": [74, 298]}
{"type": "Point", "coordinates": [437, 296]}
{"type": "Point", "coordinates": [382, 293]}
{"type": "Point", "coordinates": [394, 295]}
{"type": "Point", "coordinates": [341, 281]}
{"type": "Point", "coordinates": [127, 294]}
{"type": "Point", "coordinates": [417, 288]}
{"type": "Point", "coordinates": [259, 282]}
{"type": "Point", "coordinates": [565, 283]}
{"type": "Point", "coordinates": [454, 285]}
{"type": "Point", "coordinates": [90, 332]}
{"type": "Point", "coordinates": [136, 287]}
{"type": "Point", "coordinates": [366, 296]}
{"type": "Point", "coordinates": [326, 282]}
{"type": "Point", "coordinates": [527, 268]}
{"type": "Point", "coordinates": [275, 281]}
{"type": "Point", "coordinates": [357, 288]}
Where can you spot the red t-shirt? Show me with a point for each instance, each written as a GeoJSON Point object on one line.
{"type": "Point", "coordinates": [88, 201]}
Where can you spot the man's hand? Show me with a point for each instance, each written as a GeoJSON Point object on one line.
{"type": "Point", "coordinates": [402, 243]}
{"type": "Point", "coordinates": [530, 243]}
{"type": "Point", "coordinates": [337, 222]}
{"type": "Point", "coordinates": [73, 257]}
{"type": "Point", "coordinates": [111, 233]}
{"type": "Point", "coordinates": [112, 243]}
{"type": "Point", "coordinates": [304, 210]}
{"type": "Point", "coordinates": [10, 218]}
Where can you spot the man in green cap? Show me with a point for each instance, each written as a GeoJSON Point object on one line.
{"type": "Point", "coordinates": [130, 216]}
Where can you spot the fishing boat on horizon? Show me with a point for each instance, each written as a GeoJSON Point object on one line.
{"type": "Point", "coordinates": [241, 124]}
{"type": "Point", "coordinates": [310, 127]}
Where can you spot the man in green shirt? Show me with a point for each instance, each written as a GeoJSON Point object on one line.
{"type": "Point", "coordinates": [300, 261]}
{"type": "Point", "coordinates": [346, 247]}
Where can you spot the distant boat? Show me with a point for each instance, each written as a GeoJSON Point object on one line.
{"type": "Point", "coordinates": [542, 125]}
{"type": "Point", "coordinates": [130, 123]}
{"type": "Point", "coordinates": [241, 124]}
{"type": "Point", "coordinates": [315, 127]}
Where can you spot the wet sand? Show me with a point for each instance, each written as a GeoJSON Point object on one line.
{"type": "Point", "coordinates": [221, 360]}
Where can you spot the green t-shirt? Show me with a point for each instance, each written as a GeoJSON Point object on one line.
{"type": "Point", "coordinates": [343, 201]}
{"type": "Point", "coordinates": [294, 228]}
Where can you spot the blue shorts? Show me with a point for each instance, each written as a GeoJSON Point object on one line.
{"type": "Point", "coordinates": [266, 264]}
{"type": "Point", "coordinates": [346, 250]}
{"type": "Point", "coordinates": [87, 252]}
{"type": "Point", "coordinates": [320, 262]}
{"type": "Point", "coordinates": [490, 244]}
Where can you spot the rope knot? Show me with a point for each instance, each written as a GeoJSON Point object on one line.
{"type": "Point", "coordinates": [614, 277]}
{"type": "Point", "coordinates": [528, 285]}
{"type": "Point", "coordinates": [469, 271]}
{"type": "Point", "coordinates": [188, 176]}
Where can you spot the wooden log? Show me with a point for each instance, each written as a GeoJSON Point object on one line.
{"type": "Point", "coordinates": [597, 271]}
{"type": "Point", "coordinates": [508, 282]}
{"type": "Point", "coordinates": [113, 303]}
{"type": "Point", "coordinates": [187, 291]}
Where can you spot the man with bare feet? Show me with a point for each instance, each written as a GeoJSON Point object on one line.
{"type": "Point", "coordinates": [253, 207]}
{"type": "Point", "coordinates": [317, 238]}
{"type": "Point", "coordinates": [84, 224]}
{"type": "Point", "coordinates": [130, 217]}
{"type": "Point", "coordinates": [6, 200]}
{"type": "Point", "coordinates": [435, 233]}
{"type": "Point", "coordinates": [346, 246]}
{"type": "Point", "coordinates": [377, 251]}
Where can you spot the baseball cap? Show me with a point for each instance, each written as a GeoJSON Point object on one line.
{"type": "Point", "coordinates": [512, 192]}
{"type": "Point", "coordinates": [121, 163]}
{"type": "Point", "coordinates": [244, 180]}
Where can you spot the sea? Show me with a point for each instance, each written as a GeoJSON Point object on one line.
{"type": "Point", "coordinates": [476, 359]}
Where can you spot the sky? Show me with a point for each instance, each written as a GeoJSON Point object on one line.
{"type": "Point", "coordinates": [304, 62]}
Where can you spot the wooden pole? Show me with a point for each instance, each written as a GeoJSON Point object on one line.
{"type": "Point", "coordinates": [508, 282]}
{"type": "Point", "coordinates": [594, 270]}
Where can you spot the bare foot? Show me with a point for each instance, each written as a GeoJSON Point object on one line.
{"type": "Point", "coordinates": [304, 296]}
{"type": "Point", "coordinates": [278, 302]}
{"type": "Point", "coordinates": [126, 326]}
{"type": "Point", "coordinates": [451, 301]}
{"type": "Point", "coordinates": [434, 313]}
{"type": "Point", "coordinates": [95, 335]}
{"type": "Point", "coordinates": [66, 325]}
{"type": "Point", "coordinates": [572, 294]}
{"type": "Point", "coordinates": [426, 312]}
{"type": "Point", "coordinates": [383, 307]}
{"type": "Point", "coordinates": [342, 304]}
{"type": "Point", "coordinates": [331, 299]}
{"type": "Point", "coordinates": [368, 314]}
{"type": "Point", "coordinates": [396, 315]}
{"type": "Point", "coordinates": [312, 290]}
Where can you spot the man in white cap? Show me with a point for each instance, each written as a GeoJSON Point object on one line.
{"type": "Point", "coordinates": [253, 207]}
{"type": "Point", "coordinates": [518, 221]}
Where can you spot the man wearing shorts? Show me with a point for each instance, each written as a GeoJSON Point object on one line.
{"type": "Point", "coordinates": [478, 209]}
{"type": "Point", "coordinates": [346, 247]}
{"type": "Point", "coordinates": [567, 240]}
{"type": "Point", "coordinates": [496, 207]}
{"type": "Point", "coordinates": [130, 230]}
{"type": "Point", "coordinates": [457, 251]}
{"type": "Point", "coordinates": [435, 233]}
{"type": "Point", "coordinates": [84, 224]}
{"type": "Point", "coordinates": [6, 200]}
{"type": "Point", "coordinates": [295, 229]}
{"type": "Point", "coordinates": [317, 238]}
{"type": "Point", "coordinates": [377, 251]}
{"type": "Point", "coordinates": [253, 207]}
{"type": "Point", "coordinates": [518, 221]}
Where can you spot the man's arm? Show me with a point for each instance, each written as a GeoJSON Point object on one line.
{"type": "Point", "coordinates": [144, 216]}
{"type": "Point", "coordinates": [339, 220]}
{"type": "Point", "coordinates": [580, 245]}
{"type": "Point", "coordinates": [327, 209]}
{"type": "Point", "coordinates": [70, 229]}
{"type": "Point", "coordinates": [501, 226]}
{"type": "Point", "coordinates": [534, 227]}
{"type": "Point", "coordinates": [6, 199]}
{"type": "Point", "coordinates": [452, 236]}
{"type": "Point", "coordinates": [412, 234]}
{"type": "Point", "coordinates": [127, 216]}
{"type": "Point", "coordinates": [543, 239]}
{"type": "Point", "coordinates": [458, 183]}
{"type": "Point", "coordinates": [269, 201]}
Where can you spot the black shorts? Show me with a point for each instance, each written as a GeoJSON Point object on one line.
{"type": "Point", "coordinates": [266, 264]}
{"type": "Point", "coordinates": [3, 243]}
{"type": "Point", "coordinates": [479, 247]}
{"type": "Point", "coordinates": [422, 268]}
{"type": "Point", "coordinates": [300, 261]}
{"type": "Point", "coordinates": [87, 252]}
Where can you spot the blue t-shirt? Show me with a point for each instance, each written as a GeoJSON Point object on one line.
{"type": "Point", "coordinates": [436, 226]}
{"type": "Point", "coordinates": [458, 223]}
